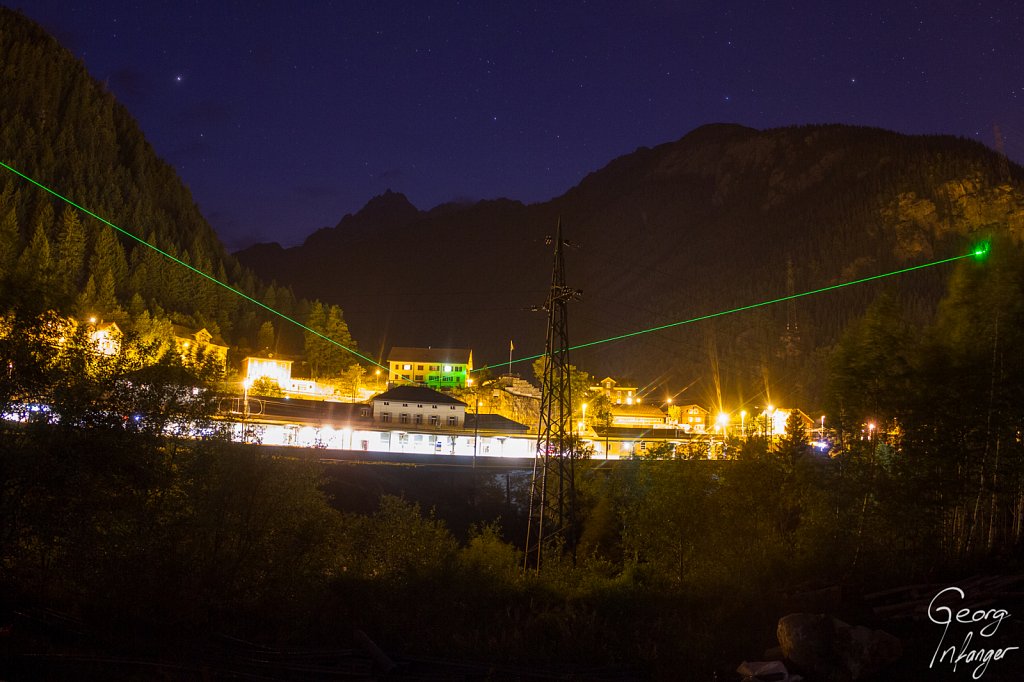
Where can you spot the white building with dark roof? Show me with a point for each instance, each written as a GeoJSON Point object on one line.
{"type": "Point", "coordinates": [418, 407]}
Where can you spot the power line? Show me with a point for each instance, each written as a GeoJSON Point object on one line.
{"type": "Point", "coordinates": [193, 269]}
{"type": "Point", "coordinates": [980, 251]}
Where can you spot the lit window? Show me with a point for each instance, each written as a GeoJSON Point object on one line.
{"type": "Point", "coordinates": [406, 367]}
{"type": "Point", "coordinates": [447, 368]}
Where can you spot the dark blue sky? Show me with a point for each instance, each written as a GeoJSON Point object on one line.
{"type": "Point", "coordinates": [283, 116]}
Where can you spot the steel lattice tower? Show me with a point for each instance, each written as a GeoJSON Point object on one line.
{"type": "Point", "coordinates": [553, 518]}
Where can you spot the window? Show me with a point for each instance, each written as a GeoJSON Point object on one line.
{"type": "Point", "coordinates": [434, 406]}
{"type": "Point", "coordinates": [385, 416]}
{"type": "Point", "coordinates": [403, 418]}
{"type": "Point", "coordinates": [419, 368]}
{"type": "Point", "coordinates": [433, 368]}
{"type": "Point", "coordinates": [405, 404]}
{"type": "Point", "coordinates": [453, 421]}
{"type": "Point", "coordinates": [418, 419]}
{"type": "Point", "coordinates": [364, 411]}
{"type": "Point", "coordinates": [387, 402]}
{"type": "Point", "coordinates": [447, 368]}
{"type": "Point", "coordinates": [451, 407]}
{"type": "Point", "coordinates": [434, 420]}
{"type": "Point", "coordinates": [419, 377]}
{"type": "Point", "coordinates": [406, 367]}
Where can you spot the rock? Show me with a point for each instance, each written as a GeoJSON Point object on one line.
{"type": "Point", "coordinates": [828, 649]}
{"type": "Point", "coordinates": [867, 651]}
{"type": "Point", "coordinates": [808, 640]}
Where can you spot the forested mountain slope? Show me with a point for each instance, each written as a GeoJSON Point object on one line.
{"type": "Point", "coordinates": [725, 217]}
{"type": "Point", "coordinates": [63, 128]}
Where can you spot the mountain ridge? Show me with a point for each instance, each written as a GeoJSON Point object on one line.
{"type": "Point", "coordinates": [723, 217]}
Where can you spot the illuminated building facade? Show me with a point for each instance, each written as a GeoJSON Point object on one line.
{"type": "Point", "coordinates": [437, 368]}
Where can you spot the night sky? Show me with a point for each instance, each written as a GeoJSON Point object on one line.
{"type": "Point", "coordinates": [283, 116]}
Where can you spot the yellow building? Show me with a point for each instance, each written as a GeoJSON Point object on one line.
{"type": "Point", "coordinates": [618, 395]}
{"type": "Point", "coordinates": [191, 343]}
{"type": "Point", "coordinates": [254, 369]}
{"type": "Point", "coordinates": [692, 418]}
{"type": "Point", "coordinates": [437, 368]}
{"type": "Point", "coordinates": [106, 338]}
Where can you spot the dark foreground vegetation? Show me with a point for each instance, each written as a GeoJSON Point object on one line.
{"type": "Point", "coordinates": [152, 546]}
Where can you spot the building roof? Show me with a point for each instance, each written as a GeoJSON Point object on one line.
{"type": "Point", "coordinates": [183, 332]}
{"type": "Point", "coordinates": [637, 410]}
{"type": "Point", "coordinates": [495, 422]}
{"type": "Point", "coordinates": [644, 433]}
{"type": "Point", "coordinates": [459, 356]}
{"type": "Point", "coordinates": [255, 358]}
{"type": "Point", "coordinates": [417, 394]}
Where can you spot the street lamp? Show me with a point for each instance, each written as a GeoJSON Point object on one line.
{"type": "Point", "coordinates": [871, 431]}
{"type": "Point", "coordinates": [723, 421]}
{"type": "Point", "coordinates": [476, 420]}
{"type": "Point", "coordinates": [246, 385]}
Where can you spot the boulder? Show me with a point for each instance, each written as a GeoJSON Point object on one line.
{"type": "Point", "coordinates": [828, 649]}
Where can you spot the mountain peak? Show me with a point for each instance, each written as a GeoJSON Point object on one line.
{"type": "Point", "coordinates": [390, 208]}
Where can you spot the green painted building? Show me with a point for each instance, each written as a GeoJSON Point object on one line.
{"type": "Point", "coordinates": [437, 368]}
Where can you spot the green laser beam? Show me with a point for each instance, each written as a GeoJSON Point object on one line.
{"type": "Point", "coordinates": [979, 252]}
{"type": "Point", "coordinates": [193, 269]}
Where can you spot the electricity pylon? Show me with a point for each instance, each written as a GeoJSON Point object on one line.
{"type": "Point", "coordinates": [553, 521]}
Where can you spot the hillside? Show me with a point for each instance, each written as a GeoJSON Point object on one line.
{"type": "Point", "coordinates": [724, 217]}
{"type": "Point", "coordinates": [62, 127]}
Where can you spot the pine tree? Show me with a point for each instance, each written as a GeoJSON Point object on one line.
{"type": "Point", "coordinates": [265, 339]}
{"type": "Point", "coordinates": [71, 251]}
{"type": "Point", "coordinates": [35, 270]}
{"type": "Point", "coordinates": [108, 254]}
{"type": "Point", "coordinates": [10, 243]}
